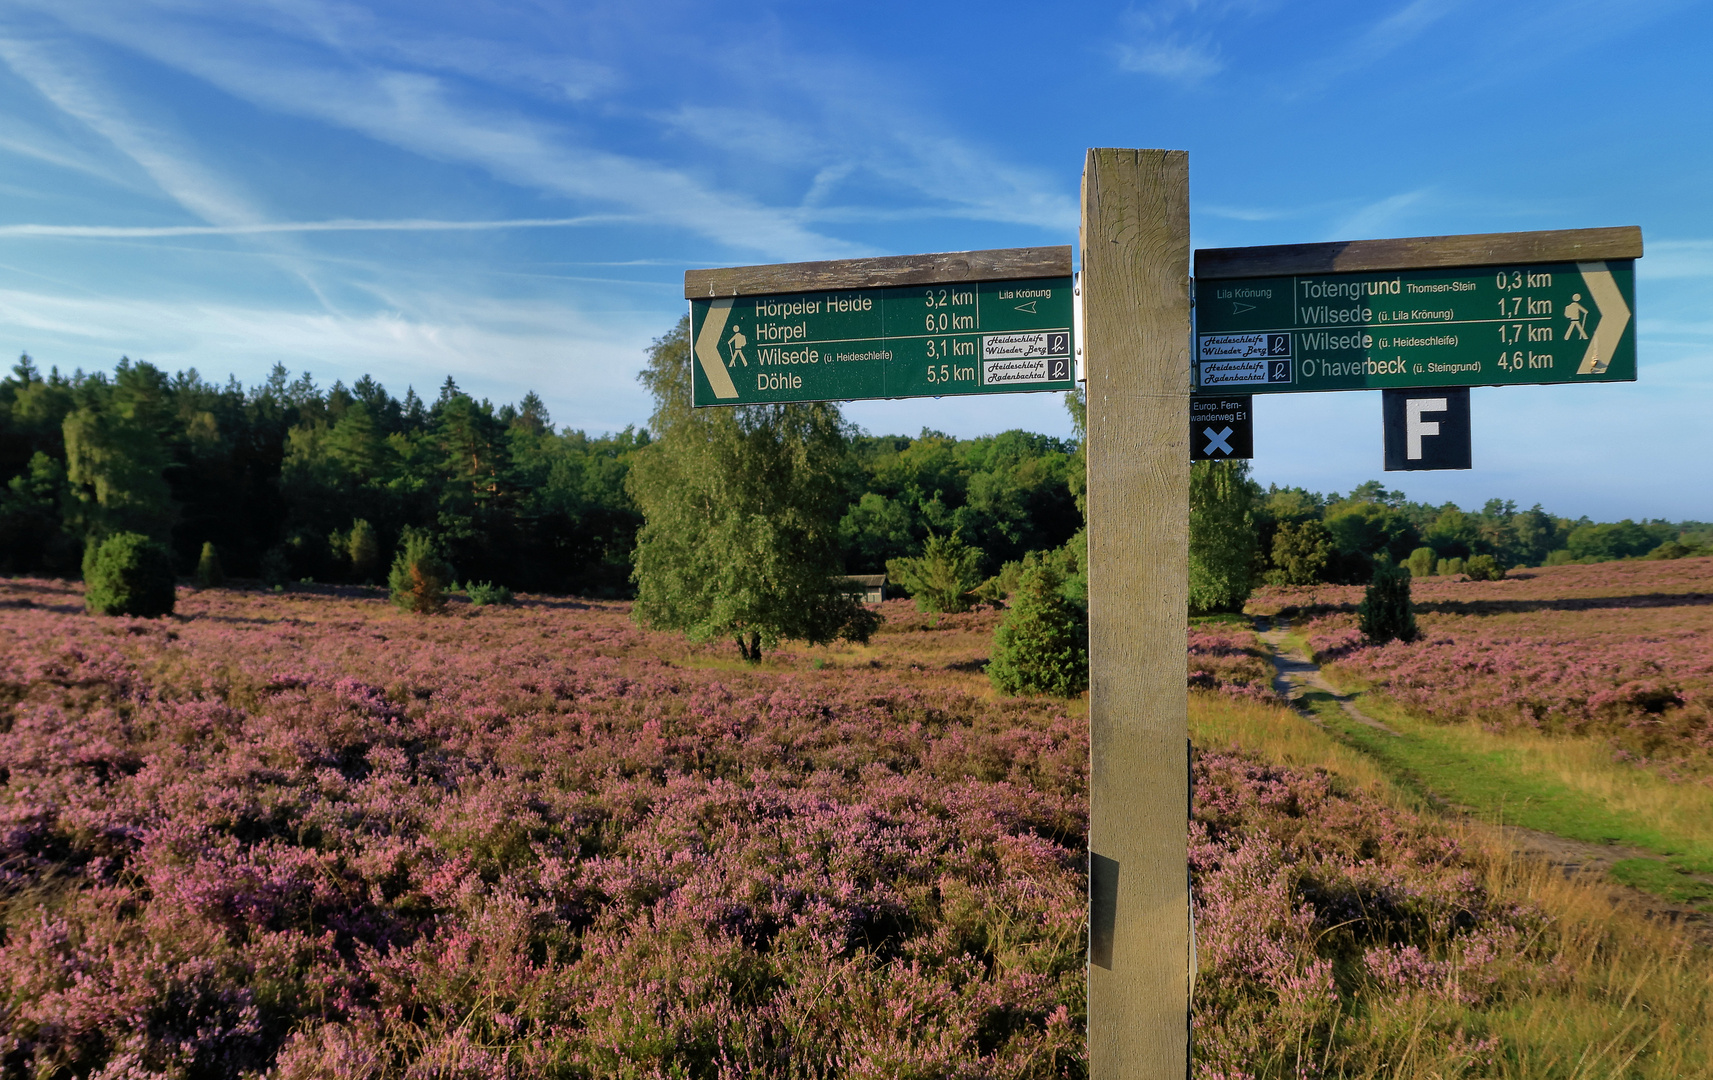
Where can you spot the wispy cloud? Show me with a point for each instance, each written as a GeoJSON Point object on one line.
{"type": "Point", "coordinates": [1170, 58]}
{"type": "Point", "coordinates": [158, 152]}
{"type": "Point", "coordinates": [1377, 217]}
{"type": "Point", "coordinates": [337, 225]}
{"type": "Point", "coordinates": [1667, 259]}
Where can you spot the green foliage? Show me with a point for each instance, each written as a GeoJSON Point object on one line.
{"type": "Point", "coordinates": [940, 579]}
{"type": "Point", "coordinates": [741, 511]}
{"type": "Point", "coordinates": [1453, 567]}
{"type": "Point", "coordinates": [209, 575]}
{"type": "Point", "coordinates": [129, 574]}
{"type": "Point", "coordinates": [1561, 557]}
{"type": "Point", "coordinates": [1422, 562]}
{"type": "Point", "coordinates": [1385, 613]}
{"type": "Point", "coordinates": [275, 568]}
{"type": "Point", "coordinates": [1483, 568]}
{"type": "Point", "coordinates": [1041, 646]}
{"type": "Point", "coordinates": [363, 549]}
{"type": "Point", "coordinates": [1222, 535]}
{"type": "Point", "coordinates": [420, 577]}
{"type": "Point", "coordinates": [1672, 549]}
{"type": "Point", "coordinates": [1617, 540]}
{"type": "Point", "coordinates": [1301, 552]}
{"type": "Point", "coordinates": [485, 593]}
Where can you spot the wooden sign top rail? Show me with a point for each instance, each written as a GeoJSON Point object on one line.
{"type": "Point", "coordinates": [1003, 264]}
{"type": "Point", "coordinates": [1421, 253]}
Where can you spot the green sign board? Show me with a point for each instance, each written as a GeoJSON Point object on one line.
{"type": "Point", "coordinates": [1487, 326]}
{"type": "Point", "coordinates": [983, 337]}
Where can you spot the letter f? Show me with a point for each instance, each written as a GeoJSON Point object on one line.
{"type": "Point", "coordinates": [1415, 427]}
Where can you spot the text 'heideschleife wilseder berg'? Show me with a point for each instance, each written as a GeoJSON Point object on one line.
{"type": "Point", "coordinates": [924, 338]}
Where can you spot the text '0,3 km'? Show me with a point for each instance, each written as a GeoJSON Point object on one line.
{"type": "Point", "coordinates": [1503, 323]}
{"type": "Point", "coordinates": [980, 322]}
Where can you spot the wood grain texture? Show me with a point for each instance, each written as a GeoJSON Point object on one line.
{"type": "Point", "coordinates": [1421, 253]}
{"type": "Point", "coordinates": [1003, 264]}
{"type": "Point", "coordinates": [1136, 255]}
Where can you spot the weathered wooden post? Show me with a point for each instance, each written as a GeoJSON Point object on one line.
{"type": "Point", "coordinates": [1136, 303]}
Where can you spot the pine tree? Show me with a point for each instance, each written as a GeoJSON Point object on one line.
{"type": "Point", "coordinates": [420, 578]}
{"type": "Point", "coordinates": [1385, 613]}
{"type": "Point", "coordinates": [941, 578]}
{"type": "Point", "coordinates": [1041, 646]}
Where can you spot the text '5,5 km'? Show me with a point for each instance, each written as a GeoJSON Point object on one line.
{"type": "Point", "coordinates": [908, 326]}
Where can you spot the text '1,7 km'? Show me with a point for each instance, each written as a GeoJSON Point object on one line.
{"type": "Point", "coordinates": [1486, 323]}
{"type": "Point", "coordinates": [977, 322]}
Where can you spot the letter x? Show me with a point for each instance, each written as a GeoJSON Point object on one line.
{"type": "Point", "coordinates": [1218, 442]}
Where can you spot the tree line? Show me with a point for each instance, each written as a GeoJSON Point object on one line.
{"type": "Point", "coordinates": [289, 482]}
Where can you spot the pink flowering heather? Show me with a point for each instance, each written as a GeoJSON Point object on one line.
{"type": "Point", "coordinates": [309, 835]}
{"type": "Point", "coordinates": [1621, 649]}
{"type": "Point", "coordinates": [1229, 659]}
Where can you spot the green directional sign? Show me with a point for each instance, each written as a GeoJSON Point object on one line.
{"type": "Point", "coordinates": [1557, 322]}
{"type": "Point", "coordinates": [922, 340]}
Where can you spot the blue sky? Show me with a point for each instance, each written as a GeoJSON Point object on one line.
{"type": "Point", "coordinates": [510, 193]}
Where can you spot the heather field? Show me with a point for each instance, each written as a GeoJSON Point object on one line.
{"type": "Point", "coordinates": [1622, 651]}
{"type": "Point", "coordinates": [307, 835]}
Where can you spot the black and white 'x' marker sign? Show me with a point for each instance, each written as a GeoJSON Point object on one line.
{"type": "Point", "coordinates": [1221, 428]}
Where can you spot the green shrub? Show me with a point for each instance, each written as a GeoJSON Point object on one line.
{"type": "Point", "coordinates": [363, 548]}
{"type": "Point", "coordinates": [942, 576]}
{"type": "Point", "coordinates": [1484, 568]}
{"type": "Point", "coordinates": [276, 568]}
{"type": "Point", "coordinates": [128, 574]}
{"type": "Point", "coordinates": [1673, 549]}
{"type": "Point", "coordinates": [1561, 557]}
{"type": "Point", "coordinates": [1453, 567]}
{"type": "Point", "coordinates": [1385, 613]}
{"type": "Point", "coordinates": [1422, 562]}
{"type": "Point", "coordinates": [483, 593]}
{"type": "Point", "coordinates": [1041, 646]}
{"type": "Point", "coordinates": [419, 577]}
{"type": "Point", "coordinates": [1301, 552]}
{"type": "Point", "coordinates": [208, 571]}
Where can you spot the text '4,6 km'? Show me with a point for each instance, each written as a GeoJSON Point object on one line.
{"type": "Point", "coordinates": [1478, 326]}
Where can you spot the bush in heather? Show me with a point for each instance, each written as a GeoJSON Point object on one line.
{"type": "Point", "coordinates": [1386, 613]}
{"type": "Point", "coordinates": [209, 573]}
{"type": "Point", "coordinates": [419, 577]}
{"type": "Point", "coordinates": [483, 593]}
{"type": "Point", "coordinates": [941, 578]}
{"type": "Point", "coordinates": [1483, 568]}
{"type": "Point", "coordinates": [129, 574]}
{"type": "Point", "coordinates": [363, 548]}
{"type": "Point", "coordinates": [1041, 646]}
{"type": "Point", "coordinates": [1422, 562]}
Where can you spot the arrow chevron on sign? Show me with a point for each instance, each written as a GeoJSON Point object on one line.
{"type": "Point", "coordinates": [1614, 316]}
{"type": "Point", "coordinates": [1029, 307]}
{"type": "Point", "coordinates": [708, 349]}
{"type": "Point", "coordinates": [1239, 308]}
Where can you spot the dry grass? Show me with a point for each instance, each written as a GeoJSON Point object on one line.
{"type": "Point", "coordinates": [1631, 995]}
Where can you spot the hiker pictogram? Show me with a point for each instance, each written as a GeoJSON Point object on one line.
{"type": "Point", "coordinates": [737, 342]}
{"type": "Point", "coordinates": [1578, 316]}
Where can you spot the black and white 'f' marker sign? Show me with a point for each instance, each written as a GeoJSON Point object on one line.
{"type": "Point", "coordinates": [1427, 429]}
